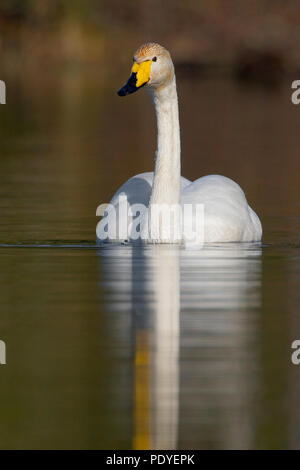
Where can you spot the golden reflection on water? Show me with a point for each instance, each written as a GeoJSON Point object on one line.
{"type": "Point", "coordinates": [141, 391]}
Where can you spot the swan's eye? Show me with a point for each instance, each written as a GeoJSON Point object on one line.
{"type": "Point", "coordinates": [154, 59]}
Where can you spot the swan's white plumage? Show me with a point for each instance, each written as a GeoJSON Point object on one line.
{"type": "Point", "coordinates": [227, 215]}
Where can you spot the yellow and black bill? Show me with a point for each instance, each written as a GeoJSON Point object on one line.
{"type": "Point", "coordinates": [130, 86]}
{"type": "Point", "coordinates": [140, 74]}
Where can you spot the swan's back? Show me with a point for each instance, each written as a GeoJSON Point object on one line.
{"type": "Point", "coordinates": [227, 214]}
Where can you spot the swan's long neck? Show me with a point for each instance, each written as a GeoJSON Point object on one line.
{"type": "Point", "coordinates": [166, 183]}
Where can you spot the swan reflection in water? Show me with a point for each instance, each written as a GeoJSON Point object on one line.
{"type": "Point", "coordinates": [193, 316]}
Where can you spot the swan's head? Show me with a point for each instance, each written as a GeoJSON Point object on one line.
{"type": "Point", "coordinates": [152, 66]}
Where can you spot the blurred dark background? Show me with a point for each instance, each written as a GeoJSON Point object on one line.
{"type": "Point", "coordinates": [213, 32]}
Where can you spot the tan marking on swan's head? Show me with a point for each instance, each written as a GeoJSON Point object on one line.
{"type": "Point", "coordinates": [150, 50]}
{"type": "Point", "coordinates": [152, 67]}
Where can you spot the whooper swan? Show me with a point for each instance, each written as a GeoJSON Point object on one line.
{"type": "Point", "coordinates": [227, 215]}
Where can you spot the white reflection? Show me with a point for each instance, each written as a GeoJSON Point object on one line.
{"type": "Point", "coordinates": [165, 349]}
{"type": "Point", "coordinates": [207, 301]}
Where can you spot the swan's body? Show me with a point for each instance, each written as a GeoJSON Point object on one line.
{"type": "Point", "coordinates": [227, 215]}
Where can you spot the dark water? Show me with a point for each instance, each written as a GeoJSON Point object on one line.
{"type": "Point", "coordinates": [146, 347]}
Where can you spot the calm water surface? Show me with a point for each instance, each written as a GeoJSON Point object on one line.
{"type": "Point", "coordinates": [124, 347]}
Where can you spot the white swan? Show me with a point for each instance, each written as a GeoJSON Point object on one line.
{"type": "Point", "coordinates": [227, 216]}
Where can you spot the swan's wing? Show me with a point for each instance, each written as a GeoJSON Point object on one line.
{"type": "Point", "coordinates": [213, 187]}
{"type": "Point", "coordinates": [114, 225]}
{"type": "Point", "coordinates": [227, 214]}
{"type": "Point", "coordinates": [137, 189]}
